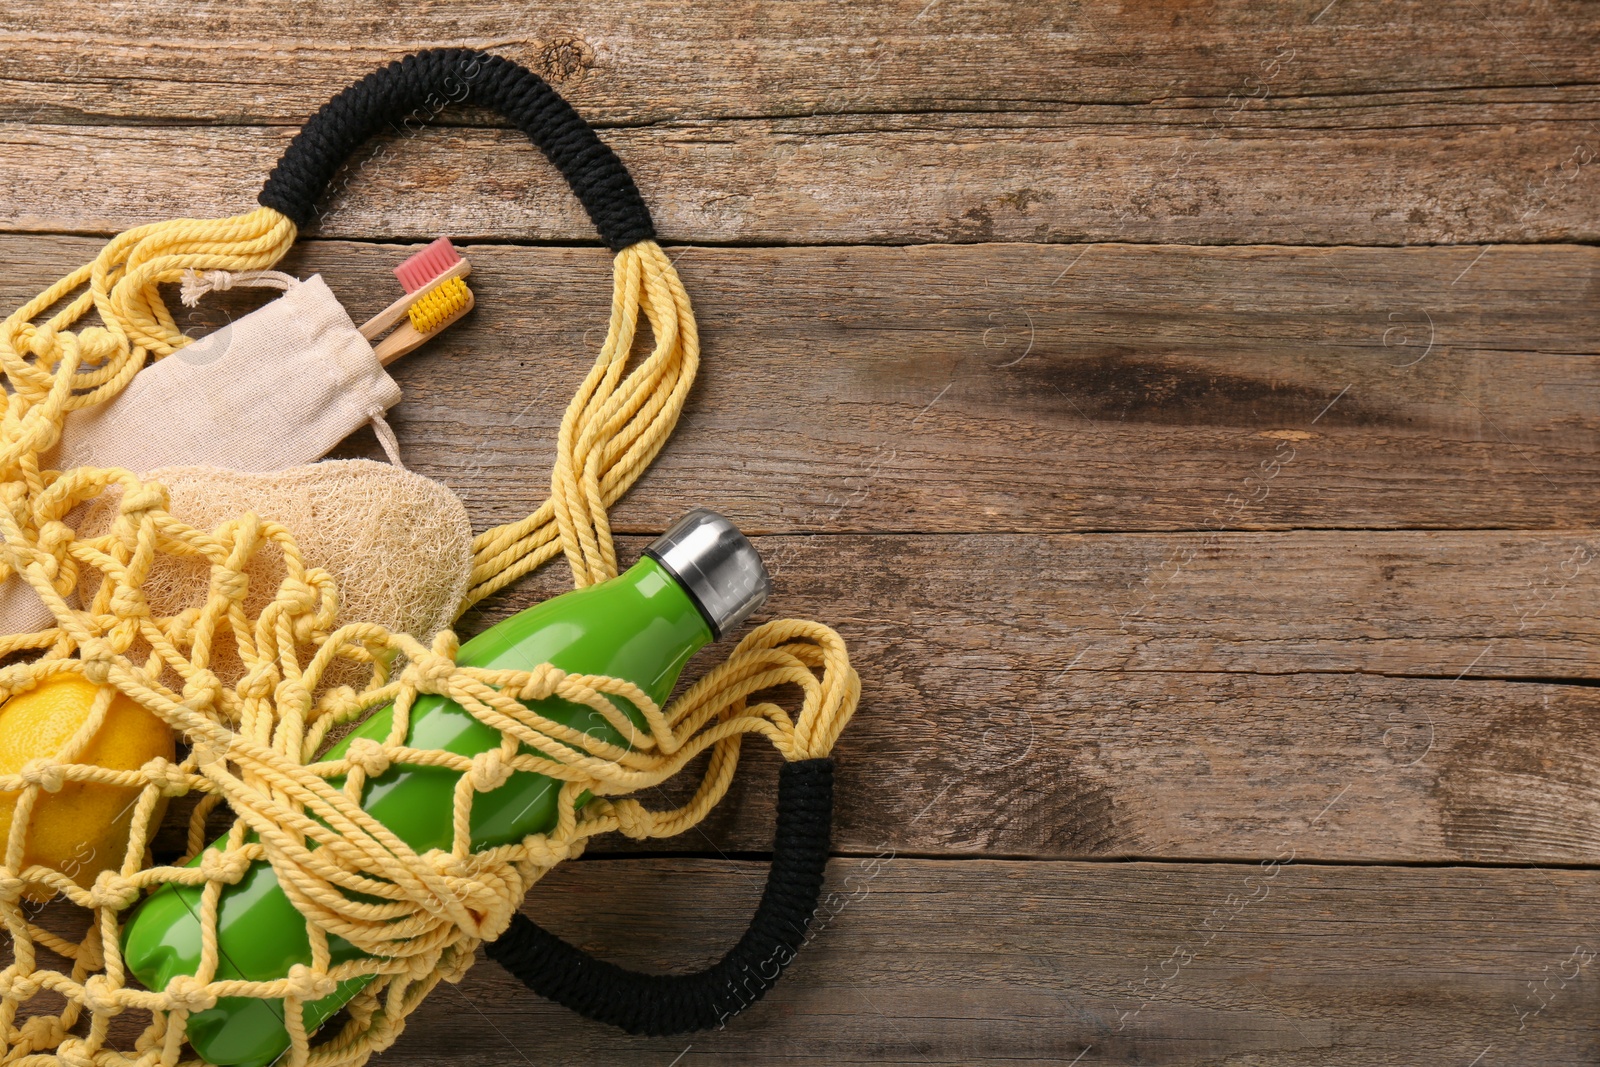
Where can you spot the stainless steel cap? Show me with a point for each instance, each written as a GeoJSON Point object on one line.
{"type": "Point", "coordinates": [717, 564]}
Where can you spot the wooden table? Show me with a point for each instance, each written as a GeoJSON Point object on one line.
{"type": "Point", "coordinates": [1190, 414]}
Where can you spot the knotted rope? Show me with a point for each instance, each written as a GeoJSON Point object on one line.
{"type": "Point", "coordinates": [254, 744]}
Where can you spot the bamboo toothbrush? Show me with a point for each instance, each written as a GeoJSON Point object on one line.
{"type": "Point", "coordinates": [435, 297]}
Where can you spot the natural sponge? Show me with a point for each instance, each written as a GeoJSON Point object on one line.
{"type": "Point", "coordinates": [399, 545]}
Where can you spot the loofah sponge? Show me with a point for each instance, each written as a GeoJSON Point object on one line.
{"type": "Point", "coordinates": [398, 544]}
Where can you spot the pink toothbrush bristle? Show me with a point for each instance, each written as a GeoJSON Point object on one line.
{"type": "Point", "coordinates": [427, 265]}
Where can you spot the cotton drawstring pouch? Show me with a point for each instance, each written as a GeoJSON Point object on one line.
{"type": "Point", "coordinates": [280, 387]}
{"type": "Point", "coordinates": [252, 744]}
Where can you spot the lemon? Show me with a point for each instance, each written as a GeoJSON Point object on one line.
{"type": "Point", "coordinates": [82, 829]}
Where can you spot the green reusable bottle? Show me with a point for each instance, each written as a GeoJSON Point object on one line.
{"type": "Point", "coordinates": [698, 581]}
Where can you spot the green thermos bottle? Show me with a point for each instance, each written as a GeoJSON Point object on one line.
{"type": "Point", "coordinates": [698, 581]}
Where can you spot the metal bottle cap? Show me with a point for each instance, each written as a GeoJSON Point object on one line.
{"type": "Point", "coordinates": [716, 564]}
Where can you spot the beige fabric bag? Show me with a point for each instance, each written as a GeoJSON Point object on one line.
{"type": "Point", "coordinates": [279, 387]}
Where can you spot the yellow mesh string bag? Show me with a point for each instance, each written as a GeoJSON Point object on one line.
{"type": "Point", "coordinates": [248, 745]}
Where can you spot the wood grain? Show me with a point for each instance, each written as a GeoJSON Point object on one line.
{"type": "Point", "coordinates": [911, 961]}
{"type": "Point", "coordinates": [1024, 387]}
{"type": "Point", "coordinates": [985, 962]}
{"type": "Point", "coordinates": [983, 759]}
{"type": "Point", "coordinates": [980, 389]}
{"type": "Point", "coordinates": [256, 62]}
{"type": "Point", "coordinates": [1442, 605]}
{"type": "Point", "coordinates": [1480, 172]}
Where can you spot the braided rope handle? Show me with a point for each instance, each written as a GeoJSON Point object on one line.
{"type": "Point", "coordinates": [659, 1004]}
{"type": "Point", "coordinates": [423, 82]}
{"type": "Point", "coordinates": [639, 1003]}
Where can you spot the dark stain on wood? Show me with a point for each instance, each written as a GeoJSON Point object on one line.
{"type": "Point", "coordinates": [1123, 383]}
{"type": "Point", "coordinates": [1522, 766]}
{"type": "Point", "coordinates": [1055, 810]}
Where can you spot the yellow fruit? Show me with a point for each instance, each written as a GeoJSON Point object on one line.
{"type": "Point", "coordinates": [82, 829]}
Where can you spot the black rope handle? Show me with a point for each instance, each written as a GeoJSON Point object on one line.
{"type": "Point", "coordinates": [418, 87]}
{"type": "Point", "coordinates": [415, 89]}
{"type": "Point", "coordinates": [658, 1004]}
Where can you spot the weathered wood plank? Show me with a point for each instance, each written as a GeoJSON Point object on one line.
{"type": "Point", "coordinates": [1369, 174]}
{"type": "Point", "coordinates": [1448, 606]}
{"type": "Point", "coordinates": [914, 961]}
{"type": "Point", "coordinates": [988, 962]}
{"type": "Point", "coordinates": [987, 760]}
{"type": "Point", "coordinates": [254, 62]}
{"type": "Point", "coordinates": [944, 389]}
{"type": "Point", "coordinates": [1033, 696]}
{"type": "Point", "coordinates": [1405, 604]}
{"type": "Point", "coordinates": [1043, 696]}
{"type": "Point", "coordinates": [1030, 388]}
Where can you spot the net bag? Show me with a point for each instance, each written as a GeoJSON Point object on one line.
{"type": "Point", "coordinates": [249, 738]}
